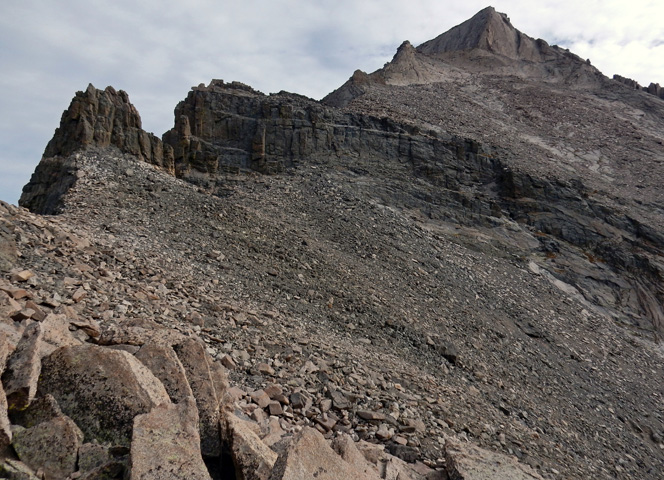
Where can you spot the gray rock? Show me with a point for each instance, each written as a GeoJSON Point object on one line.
{"type": "Point", "coordinates": [35, 446]}
{"type": "Point", "coordinates": [92, 455]}
{"type": "Point", "coordinates": [94, 118]}
{"type": "Point", "coordinates": [101, 389]}
{"type": "Point", "coordinates": [41, 409]}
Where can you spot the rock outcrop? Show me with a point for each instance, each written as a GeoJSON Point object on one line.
{"type": "Point", "coordinates": [652, 89]}
{"type": "Point", "coordinates": [95, 118]}
{"type": "Point", "coordinates": [491, 31]}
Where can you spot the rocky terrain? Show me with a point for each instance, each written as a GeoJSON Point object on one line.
{"type": "Point", "coordinates": [449, 268]}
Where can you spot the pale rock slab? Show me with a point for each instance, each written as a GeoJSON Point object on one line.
{"type": "Point", "coordinates": [252, 458]}
{"type": "Point", "coordinates": [165, 365]}
{"type": "Point", "coordinates": [309, 456]}
{"type": "Point", "coordinates": [196, 364]}
{"type": "Point", "coordinates": [166, 445]}
{"type": "Point", "coordinates": [347, 450]}
{"type": "Point", "coordinates": [101, 389]}
{"type": "Point", "coordinates": [56, 334]}
{"type": "Point", "coordinates": [469, 462]}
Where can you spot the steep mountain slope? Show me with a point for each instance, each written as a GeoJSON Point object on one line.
{"type": "Point", "coordinates": [440, 251]}
{"type": "Point", "coordinates": [596, 142]}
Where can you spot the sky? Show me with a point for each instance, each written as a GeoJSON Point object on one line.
{"type": "Point", "coordinates": [157, 50]}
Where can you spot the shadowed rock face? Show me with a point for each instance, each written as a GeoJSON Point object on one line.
{"type": "Point", "coordinates": [95, 118]}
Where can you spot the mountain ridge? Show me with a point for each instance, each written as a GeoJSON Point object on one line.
{"type": "Point", "coordinates": [454, 268]}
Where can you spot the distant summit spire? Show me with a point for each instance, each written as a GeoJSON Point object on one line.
{"type": "Point", "coordinates": [487, 30]}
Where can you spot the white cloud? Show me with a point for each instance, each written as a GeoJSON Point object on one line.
{"type": "Point", "coordinates": [156, 50]}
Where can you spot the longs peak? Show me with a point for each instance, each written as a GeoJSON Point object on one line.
{"type": "Point", "coordinates": [487, 30]}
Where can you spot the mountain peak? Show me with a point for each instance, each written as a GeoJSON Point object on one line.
{"type": "Point", "coordinates": [487, 30]}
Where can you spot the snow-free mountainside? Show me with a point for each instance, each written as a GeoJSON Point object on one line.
{"type": "Point", "coordinates": [450, 268]}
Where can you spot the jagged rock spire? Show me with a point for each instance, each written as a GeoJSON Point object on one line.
{"type": "Point", "coordinates": [103, 118]}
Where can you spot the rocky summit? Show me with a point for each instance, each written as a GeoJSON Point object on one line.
{"type": "Point", "coordinates": [450, 268]}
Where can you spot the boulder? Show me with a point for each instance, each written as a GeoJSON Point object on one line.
{"type": "Point", "coordinates": [196, 364]}
{"type": "Point", "coordinates": [92, 456]}
{"type": "Point", "coordinates": [165, 365]}
{"type": "Point", "coordinates": [466, 461]}
{"type": "Point", "coordinates": [101, 389]}
{"type": "Point", "coordinates": [166, 445]}
{"type": "Point", "coordinates": [16, 470]}
{"type": "Point", "coordinates": [252, 458]}
{"type": "Point", "coordinates": [56, 334]}
{"type": "Point", "coordinates": [309, 456]}
{"type": "Point", "coordinates": [42, 409]}
{"type": "Point", "coordinates": [22, 373]}
{"type": "Point", "coordinates": [36, 447]}
{"type": "Point", "coordinates": [346, 448]}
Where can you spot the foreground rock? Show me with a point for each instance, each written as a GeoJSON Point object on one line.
{"type": "Point", "coordinates": [309, 456]}
{"type": "Point", "coordinates": [165, 444]}
{"type": "Point", "coordinates": [468, 462]}
{"type": "Point", "coordinates": [85, 377]}
{"type": "Point", "coordinates": [35, 446]}
{"type": "Point", "coordinates": [455, 254]}
{"type": "Point", "coordinates": [253, 459]}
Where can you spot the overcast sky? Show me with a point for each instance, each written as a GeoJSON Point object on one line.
{"type": "Point", "coordinates": [156, 50]}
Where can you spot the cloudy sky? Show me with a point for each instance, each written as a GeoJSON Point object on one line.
{"type": "Point", "coordinates": [156, 50]}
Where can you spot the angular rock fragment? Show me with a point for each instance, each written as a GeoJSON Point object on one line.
{"type": "Point", "coordinates": [252, 458]}
{"type": "Point", "coordinates": [56, 334]}
{"type": "Point", "coordinates": [41, 409]}
{"type": "Point", "coordinates": [92, 455]}
{"type": "Point", "coordinates": [22, 372]}
{"type": "Point", "coordinates": [196, 364]}
{"type": "Point", "coordinates": [165, 365]}
{"type": "Point", "coordinates": [101, 389]}
{"type": "Point", "coordinates": [469, 462]}
{"type": "Point", "coordinates": [165, 444]}
{"type": "Point", "coordinates": [37, 448]}
{"type": "Point", "coordinates": [5, 425]}
{"type": "Point", "coordinates": [346, 448]}
{"type": "Point", "coordinates": [309, 456]}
